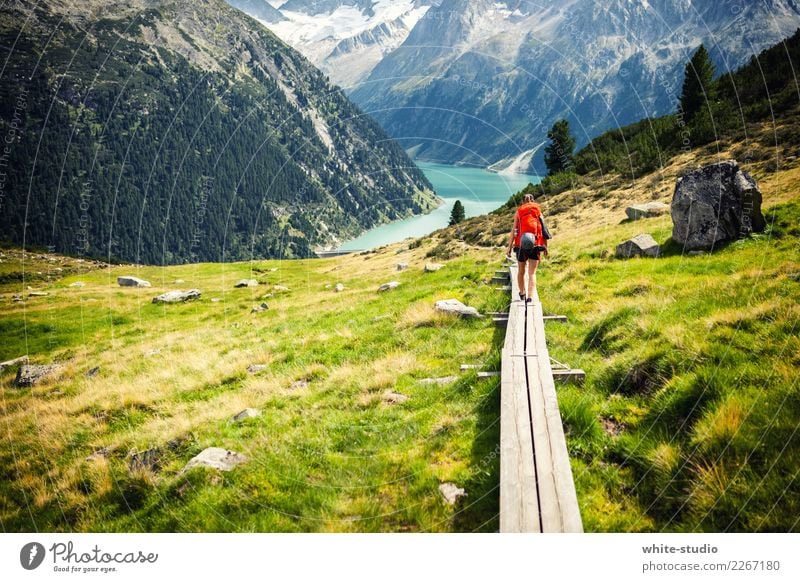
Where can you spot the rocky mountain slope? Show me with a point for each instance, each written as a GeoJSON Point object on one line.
{"type": "Point", "coordinates": [481, 81]}
{"type": "Point", "coordinates": [344, 38]}
{"type": "Point", "coordinates": [166, 132]}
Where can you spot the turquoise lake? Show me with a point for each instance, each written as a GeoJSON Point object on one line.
{"type": "Point", "coordinates": [479, 190]}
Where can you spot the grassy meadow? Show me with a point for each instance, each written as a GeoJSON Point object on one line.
{"type": "Point", "coordinates": [688, 420]}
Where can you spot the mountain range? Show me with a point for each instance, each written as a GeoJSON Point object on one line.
{"type": "Point", "coordinates": [480, 82]}
{"type": "Point", "coordinates": [164, 131]}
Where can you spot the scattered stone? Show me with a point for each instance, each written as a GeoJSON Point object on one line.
{"type": "Point", "coordinates": [148, 460]}
{"type": "Point", "coordinates": [246, 283]}
{"type": "Point", "coordinates": [93, 372]}
{"type": "Point", "coordinates": [455, 307]}
{"type": "Point", "coordinates": [299, 384]}
{"type": "Point", "coordinates": [245, 414]}
{"type": "Point", "coordinates": [388, 286]}
{"type": "Point", "coordinates": [339, 288]}
{"type": "Point", "coordinates": [128, 281]}
{"type": "Point", "coordinates": [77, 284]}
{"type": "Point", "coordinates": [433, 267]}
{"type": "Point", "coordinates": [259, 308]}
{"type": "Point", "coordinates": [38, 294]}
{"type": "Point", "coordinates": [256, 368]}
{"type": "Point", "coordinates": [216, 458]}
{"type": "Point", "coordinates": [177, 281]}
{"type": "Point", "coordinates": [646, 210]}
{"type": "Point", "coordinates": [216, 299]}
{"type": "Point", "coordinates": [17, 298]}
{"type": "Point", "coordinates": [610, 426]}
{"type": "Point", "coordinates": [32, 374]}
{"type": "Point", "coordinates": [177, 296]}
{"type": "Point", "coordinates": [273, 269]}
{"type": "Point", "coordinates": [14, 362]}
{"type": "Point", "coordinates": [642, 245]}
{"type": "Point", "coordinates": [713, 204]}
{"type": "Point", "coordinates": [153, 352]}
{"type": "Point", "coordinates": [402, 266]}
{"type": "Point", "coordinates": [380, 317]}
{"type": "Point", "coordinates": [99, 454]}
{"type": "Point", "coordinates": [451, 493]}
{"type": "Point", "coordinates": [279, 288]}
{"type": "Point", "coordinates": [266, 296]}
{"type": "Point", "coordinates": [394, 398]}
{"type": "Point", "coordinates": [439, 381]}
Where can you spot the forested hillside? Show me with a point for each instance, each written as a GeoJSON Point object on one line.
{"type": "Point", "coordinates": [167, 132]}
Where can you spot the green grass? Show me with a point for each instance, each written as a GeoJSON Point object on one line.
{"type": "Point", "coordinates": [330, 456]}
{"type": "Point", "coordinates": [691, 366]}
{"type": "Point", "coordinates": [688, 420]}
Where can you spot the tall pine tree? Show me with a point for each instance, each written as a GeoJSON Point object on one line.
{"type": "Point", "coordinates": [558, 155]}
{"type": "Point", "coordinates": [698, 84]}
{"type": "Point", "coordinates": [457, 214]}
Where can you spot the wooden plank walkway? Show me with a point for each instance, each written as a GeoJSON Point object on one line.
{"type": "Point", "coordinates": [537, 491]}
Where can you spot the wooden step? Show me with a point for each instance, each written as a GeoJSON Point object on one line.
{"type": "Point", "coordinates": [556, 318]}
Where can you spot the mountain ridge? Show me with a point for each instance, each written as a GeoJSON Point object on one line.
{"type": "Point", "coordinates": [184, 145]}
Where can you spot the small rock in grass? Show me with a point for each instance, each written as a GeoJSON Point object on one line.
{"type": "Point", "coordinates": [77, 284]}
{"type": "Point", "coordinates": [99, 454]}
{"type": "Point", "coordinates": [177, 296]}
{"type": "Point", "coordinates": [148, 460]}
{"type": "Point", "coordinates": [642, 245]}
{"type": "Point", "coordinates": [38, 294]}
{"type": "Point", "coordinates": [128, 281]}
{"type": "Point", "coordinates": [259, 308]}
{"type": "Point", "coordinates": [455, 307]}
{"type": "Point", "coordinates": [388, 286]}
{"type": "Point", "coordinates": [216, 458]}
{"type": "Point", "coordinates": [439, 381]}
{"type": "Point", "coordinates": [451, 492]}
{"type": "Point", "coordinates": [256, 368]}
{"type": "Point", "coordinates": [402, 266]}
{"type": "Point", "coordinates": [216, 299]}
{"type": "Point", "coordinates": [298, 384]}
{"type": "Point", "coordinates": [433, 267]}
{"type": "Point", "coordinates": [32, 374]}
{"type": "Point", "coordinates": [394, 398]}
{"type": "Point", "coordinates": [280, 288]}
{"type": "Point", "coordinates": [93, 372]}
{"type": "Point", "coordinates": [339, 288]}
{"type": "Point", "coordinates": [246, 283]}
{"type": "Point", "coordinates": [245, 414]}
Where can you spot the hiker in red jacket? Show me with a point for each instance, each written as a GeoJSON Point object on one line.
{"type": "Point", "coordinates": [529, 241]}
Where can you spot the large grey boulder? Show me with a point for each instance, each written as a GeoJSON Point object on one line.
{"type": "Point", "coordinates": [715, 204]}
{"type": "Point", "coordinates": [216, 458]}
{"type": "Point", "coordinates": [646, 210]}
{"type": "Point", "coordinates": [32, 374]}
{"type": "Point", "coordinates": [455, 307]}
{"type": "Point", "coordinates": [177, 296]}
{"type": "Point", "coordinates": [128, 281]}
{"type": "Point", "coordinates": [642, 245]}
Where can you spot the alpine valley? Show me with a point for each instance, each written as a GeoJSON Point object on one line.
{"type": "Point", "coordinates": [165, 131]}
{"type": "Point", "coordinates": [481, 81]}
